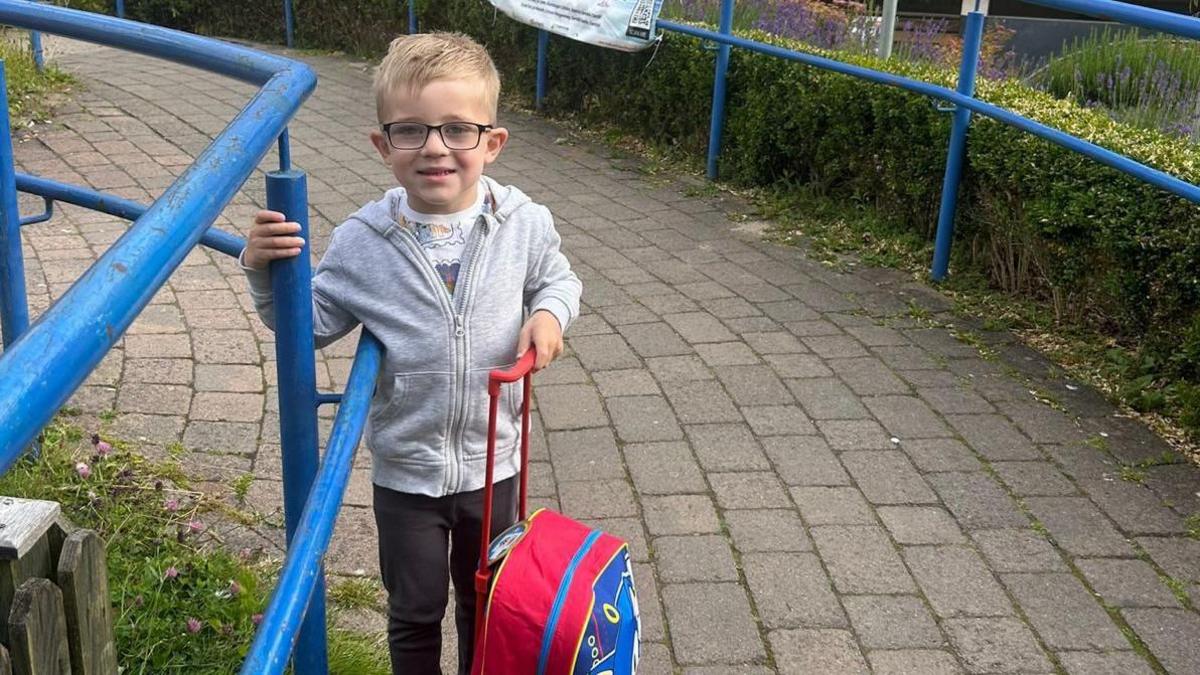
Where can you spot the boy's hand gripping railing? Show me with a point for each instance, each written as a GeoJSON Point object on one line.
{"type": "Point", "coordinates": [522, 370]}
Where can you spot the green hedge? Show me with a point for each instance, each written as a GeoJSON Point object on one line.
{"type": "Point", "coordinates": [1099, 246]}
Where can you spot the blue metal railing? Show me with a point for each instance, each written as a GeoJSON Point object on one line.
{"type": "Point", "coordinates": [43, 364]}
{"type": "Point", "coordinates": [963, 100]}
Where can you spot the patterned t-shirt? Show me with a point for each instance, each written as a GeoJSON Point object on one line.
{"type": "Point", "coordinates": [443, 236]}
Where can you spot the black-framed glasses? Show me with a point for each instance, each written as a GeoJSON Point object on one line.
{"type": "Point", "coordinates": [455, 135]}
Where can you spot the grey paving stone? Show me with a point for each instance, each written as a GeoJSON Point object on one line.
{"type": "Point", "coordinates": [700, 635]}
{"type": "Point", "coordinates": [804, 460]}
{"type": "Point", "coordinates": [698, 327]}
{"type": "Point", "coordinates": [700, 557]}
{"type": "Point", "coordinates": [912, 662]}
{"type": "Point", "coordinates": [626, 383]}
{"type": "Point", "coordinates": [1063, 612]}
{"type": "Point", "coordinates": [727, 354]}
{"type": "Point", "coordinates": [1135, 508]}
{"type": "Point", "coordinates": [920, 525]}
{"type": "Point", "coordinates": [834, 346]}
{"type": "Point", "coordinates": [906, 358]}
{"type": "Point", "coordinates": [1018, 550]}
{"type": "Point", "coordinates": [664, 468]}
{"type": "Point", "coordinates": [762, 530]}
{"type": "Point", "coordinates": [778, 420]}
{"type": "Point", "coordinates": [854, 435]}
{"type": "Point", "coordinates": [620, 314]}
{"type": "Point", "coordinates": [223, 437]}
{"type": "Point", "coordinates": [1127, 583]}
{"type": "Point", "coordinates": [1108, 663]}
{"type": "Point", "coordinates": [996, 645]}
{"type": "Point", "coordinates": [611, 498]}
{"type": "Point", "coordinates": [753, 385]}
{"type": "Point", "coordinates": [955, 400]}
{"type": "Point", "coordinates": [877, 336]}
{"type": "Point", "coordinates": [860, 559]}
{"type": "Point", "coordinates": [728, 308]}
{"type": "Point", "coordinates": [654, 658]}
{"type": "Point", "coordinates": [906, 417]}
{"type": "Point", "coordinates": [225, 407]}
{"type": "Point", "coordinates": [643, 418]}
{"type": "Point", "coordinates": [868, 376]}
{"type": "Point", "coordinates": [680, 514]}
{"type": "Point", "coordinates": [1038, 478]}
{"type": "Point", "coordinates": [956, 581]}
{"type": "Point", "coordinates": [1041, 423]}
{"type": "Point", "coordinates": [216, 377]}
{"type": "Point", "coordinates": [976, 501]}
{"type": "Point", "coordinates": [700, 402]}
{"type": "Point", "coordinates": [892, 622]}
{"type": "Point", "coordinates": [585, 454]}
{"type": "Point", "coordinates": [1083, 462]}
{"type": "Point", "coordinates": [653, 339]}
{"type": "Point", "coordinates": [158, 371]}
{"type": "Point", "coordinates": [604, 352]}
{"type": "Point", "coordinates": [823, 650]}
{"type": "Point", "coordinates": [1171, 635]}
{"type": "Point", "coordinates": [940, 454]}
{"type": "Point", "coordinates": [727, 670]}
{"type": "Point", "coordinates": [1079, 527]}
{"type": "Point", "coordinates": [832, 506]}
{"type": "Point", "coordinates": [798, 366]}
{"type": "Point", "coordinates": [776, 342]}
{"type": "Point", "coordinates": [1178, 556]}
{"type": "Point", "coordinates": [748, 490]}
{"type": "Point", "coordinates": [994, 437]}
{"type": "Point", "coordinates": [679, 369]}
{"type": "Point", "coordinates": [564, 370]}
{"type": "Point", "coordinates": [827, 399]}
{"type": "Point", "coordinates": [791, 590]}
{"type": "Point", "coordinates": [887, 478]}
{"type": "Point", "coordinates": [650, 609]}
{"type": "Point", "coordinates": [160, 399]}
{"type": "Point", "coordinates": [726, 447]}
{"type": "Point", "coordinates": [570, 406]}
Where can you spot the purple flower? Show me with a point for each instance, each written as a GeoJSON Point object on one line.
{"type": "Point", "coordinates": [171, 505]}
{"type": "Point", "coordinates": [193, 625]}
{"type": "Point", "coordinates": [195, 526]}
{"type": "Point", "coordinates": [83, 469]}
{"type": "Point", "coordinates": [103, 449]}
{"type": "Point", "coordinates": [256, 619]}
{"type": "Point", "coordinates": [171, 573]}
{"type": "Point", "coordinates": [235, 588]}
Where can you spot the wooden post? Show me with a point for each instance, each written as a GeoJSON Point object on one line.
{"type": "Point", "coordinates": [55, 613]}
{"type": "Point", "coordinates": [37, 629]}
{"type": "Point", "coordinates": [83, 579]}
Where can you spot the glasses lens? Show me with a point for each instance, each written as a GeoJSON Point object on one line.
{"type": "Point", "coordinates": [460, 136]}
{"type": "Point", "coordinates": [407, 136]}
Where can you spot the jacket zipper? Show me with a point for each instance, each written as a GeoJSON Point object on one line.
{"type": "Point", "coordinates": [474, 245]}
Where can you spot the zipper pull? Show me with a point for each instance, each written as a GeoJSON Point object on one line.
{"type": "Point", "coordinates": [458, 327]}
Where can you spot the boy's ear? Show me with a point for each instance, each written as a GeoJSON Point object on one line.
{"type": "Point", "coordinates": [496, 138]}
{"type": "Point", "coordinates": [381, 144]}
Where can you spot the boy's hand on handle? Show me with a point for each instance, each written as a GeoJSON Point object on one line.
{"type": "Point", "coordinates": [543, 332]}
{"type": "Point", "coordinates": [271, 238]}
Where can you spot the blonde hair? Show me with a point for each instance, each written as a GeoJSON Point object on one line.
{"type": "Point", "coordinates": [413, 61]}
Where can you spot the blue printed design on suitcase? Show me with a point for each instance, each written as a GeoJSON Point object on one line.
{"type": "Point", "coordinates": [610, 640]}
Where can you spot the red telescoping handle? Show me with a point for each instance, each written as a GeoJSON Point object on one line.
{"type": "Point", "coordinates": [521, 370]}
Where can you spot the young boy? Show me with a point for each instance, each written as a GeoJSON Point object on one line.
{"type": "Point", "coordinates": [456, 275]}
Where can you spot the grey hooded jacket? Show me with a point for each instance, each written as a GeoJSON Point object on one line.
{"type": "Point", "coordinates": [427, 427]}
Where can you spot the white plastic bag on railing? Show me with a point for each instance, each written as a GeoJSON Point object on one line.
{"type": "Point", "coordinates": [627, 25]}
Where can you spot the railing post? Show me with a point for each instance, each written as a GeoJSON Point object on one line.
{"type": "Point", "coordinates": [542, 43]}
{"type": "Point", "coordinates": [120, 9]}
{"type": "Point", "coordinates": [412, 16]}
{"type": "Point", "coordinates": [14, 308]}
{"type": "Point", "coordinates": [972, 39]}
{"type": "Point", "coordinates": [887, 28]}
{"type": "Point", "coordinates": [718, 97]}
{"type": "Point", "coordinates": [291, 284]}
{"type": "Point", "coordinates": [288, 21]}
{"type": "Point", "coordinates": [35, 46]}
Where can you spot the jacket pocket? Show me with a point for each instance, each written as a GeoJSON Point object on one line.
{"type": "Point", "coordinates": [507, 420]}
{"type": "Point", "coordinates": [408, 424]}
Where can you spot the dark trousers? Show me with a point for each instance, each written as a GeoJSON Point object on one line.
{"type": "Point", "coordinates": [415, 532]}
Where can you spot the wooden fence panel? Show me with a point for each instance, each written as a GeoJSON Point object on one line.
{"type": "Point", "coordinates": [83, 580]}
{"type": "Point", "coordinates": [37, 630]}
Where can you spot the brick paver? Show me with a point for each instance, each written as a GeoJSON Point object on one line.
{"type": "Point", "coordinates": [812, 479]}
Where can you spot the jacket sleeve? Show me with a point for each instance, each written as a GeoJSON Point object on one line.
{"type": "Point", "coordinates": [330, 320]}
{"type": "Point", "coordinates": [549, 283]}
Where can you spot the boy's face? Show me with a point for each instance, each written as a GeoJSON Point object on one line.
{"type": "Point", "coordinates": [437, 178]}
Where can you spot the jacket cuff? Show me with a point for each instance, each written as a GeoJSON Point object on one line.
{"type": "Point", "coordinates": [558, 308]}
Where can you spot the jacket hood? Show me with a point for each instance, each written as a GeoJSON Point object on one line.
{"type": "Point", "coordinates": [506, 199]}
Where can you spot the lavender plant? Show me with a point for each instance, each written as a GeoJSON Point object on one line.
{"type": "Point", "coordinates": [1148, 82]}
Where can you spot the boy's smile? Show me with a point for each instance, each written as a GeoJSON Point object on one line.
{"type": "Point", "coordinates": [439, 179]}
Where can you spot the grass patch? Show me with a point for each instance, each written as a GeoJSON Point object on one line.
{"type": "Point", "coordinates": [28, 90]}
{"type": "Point", "coordinates": [355, 594]}
{"type": "Point", "coordinates": [181, 602]}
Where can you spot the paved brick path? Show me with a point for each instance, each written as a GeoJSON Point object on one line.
{"type": "Point", "coordinates": [812, 480]}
